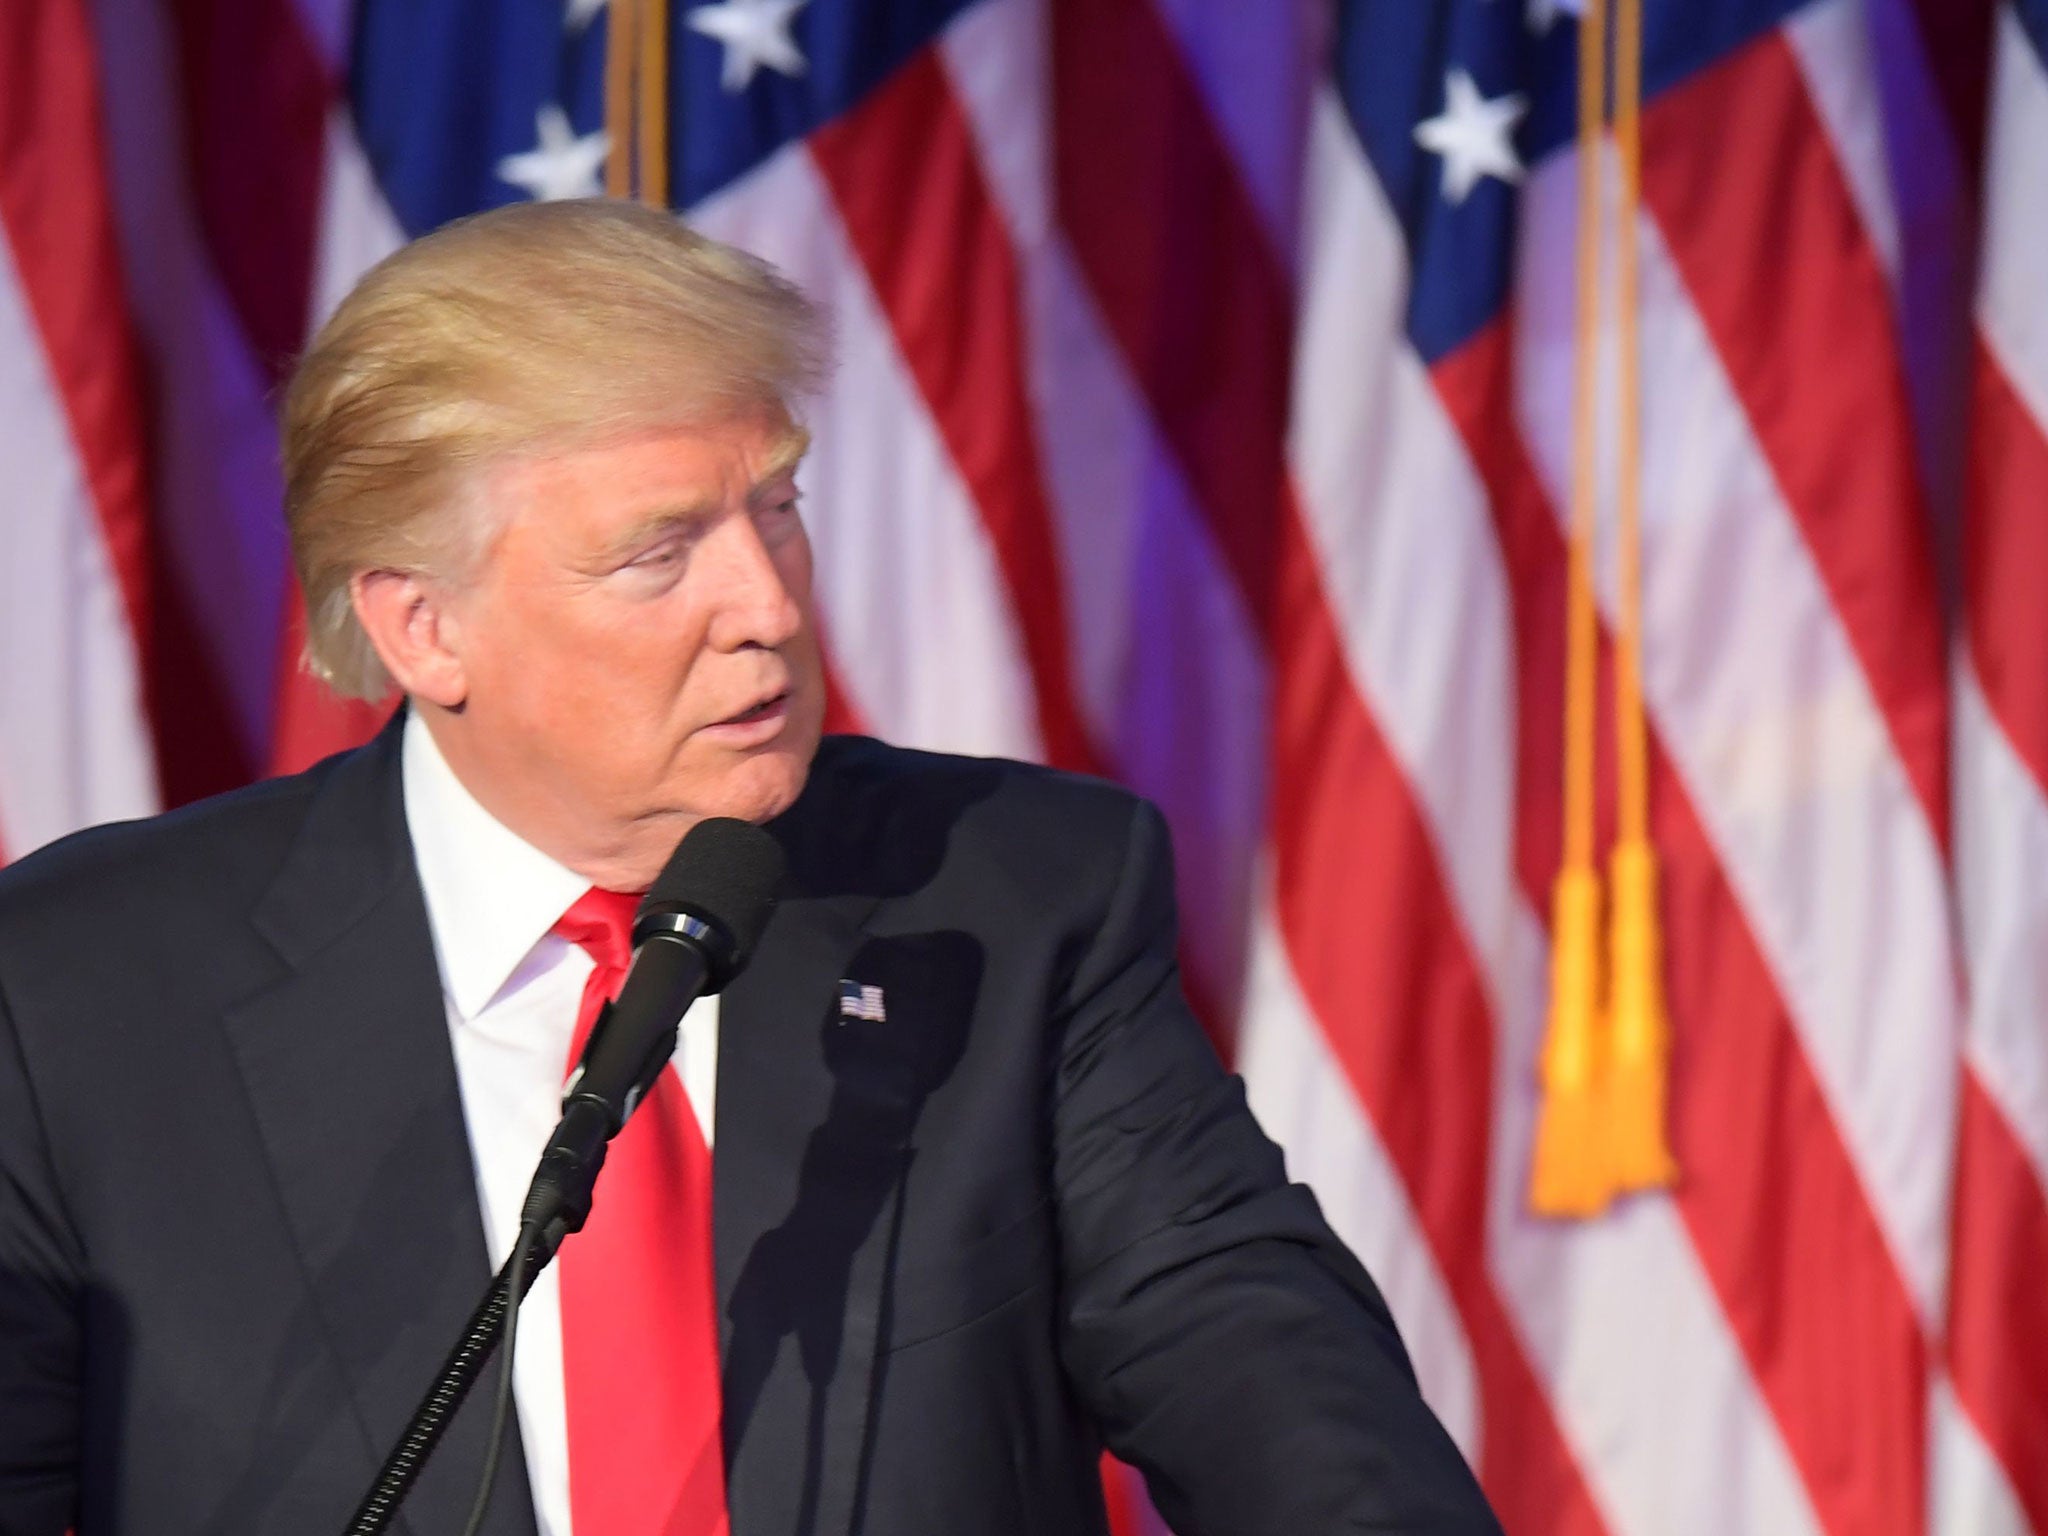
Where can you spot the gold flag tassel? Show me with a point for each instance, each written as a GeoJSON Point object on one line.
{"type": "Point", "coordinates": [1569, 1174]}
{"type": "Point", "coordinates": [1639, 1044]}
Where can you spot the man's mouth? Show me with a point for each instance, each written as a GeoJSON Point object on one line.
{"type": "Point", "coordinates": [760, 711]}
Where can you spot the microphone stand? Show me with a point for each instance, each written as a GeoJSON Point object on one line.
{"type": "Point", "coordinates": [557, 1205]}
{"type": "Point", "coordinates": [681, 951]}
{"type": "Point", "coordinates": [458, 1374]}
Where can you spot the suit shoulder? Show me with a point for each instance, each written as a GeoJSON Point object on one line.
{"type": "Point", "coordinates": [1038, 826]}
{"type": "Point", "coordinates": [222, 846]}
{"type": "Point", "coordinates": [1022, 791]}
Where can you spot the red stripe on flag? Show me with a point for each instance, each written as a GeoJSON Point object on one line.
{"type": "Point", "coordinates": [1999, 1361]}
{"type": "Point", "coordinates": [903, 168]}
{"type": "Point", "coordinates": [59, 225]}
{"type": "Point", "coordinates": [1741, 175]}
{"type": "Point", "coordinates": [1404, 1012]}
{"type": "Point", "coordinates": [257, 98]}
{"type": "Point", "coordinates": [1160, 221]}
{"type": "Point", "coordinates": [2001, 1217]}
{"type": "Point", "coordinates": [312, 720]}
{"type": "Point", "coordinates": [2005, 555]}
{"type": "Point", "coordinates": [1770, 1198]}
{"type": "Point", "coordinates": [199, 743]}
{"type": "Point", "coordinates": [1780, 1219]}
{"type": "Point", "coordinates": [1476, 386]}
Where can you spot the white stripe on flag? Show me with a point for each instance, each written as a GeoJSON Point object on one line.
{"type": "Point", "coordinates": [74, 740]}
{"type": "Point", "coordinates": [357, 227]}
{"type": "Point", "coordinates": [1124, 517]}
{"type": "Point", "coordinates": [1968, 1493]}
{"type": "Point", "coordinates": [1752, 683]}
{"type": "Point", "coordinates": [913, 602]}
{"type": "Point", "coordinates": [1401, 531]}
{"type": "Point", "coordinates": [2002, 890]}
{"type": "Point", "coordinates": [2010, 305]}
{"type": "Point", "coordinates": [1303, 1099]}
{"type": "Point", "coordinates": [995, 59]}
{"type": "Point", "coordinates": [1832, 42]}
{"type": "Point", "coordinates": [1393, 506]}
{"type": "Point", "coordinates": [1616, 1312]}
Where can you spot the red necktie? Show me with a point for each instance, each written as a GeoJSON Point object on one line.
{"type": "Point", "coordinates": [639, 1305]}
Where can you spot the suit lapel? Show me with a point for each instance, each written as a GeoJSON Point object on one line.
{"type": "Point", "coordinates": [350, 1075]}
{"type": "Point", "coordinates": [803, 1195]}
{"type": "Point", "coordinates": [815, 1137]}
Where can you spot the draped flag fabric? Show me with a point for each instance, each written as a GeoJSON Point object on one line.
{"type": "Point", "coordinates": [74, 578]}
{"type": "Point", "coordinates": [2001, 845]}
{"type": "Point", "coordinates": [1203, 419]}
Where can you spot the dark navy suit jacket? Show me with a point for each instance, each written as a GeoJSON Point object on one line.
{"type": "Point", "coordinates": [958, 1249]}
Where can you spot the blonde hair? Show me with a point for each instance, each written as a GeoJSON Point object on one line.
{"type": "Point", "coordinates": [531, 327]}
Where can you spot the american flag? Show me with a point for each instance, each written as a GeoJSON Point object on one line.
{"type": "Point", "coordinates": [861, 1002]}
{"type": "Point", "coordinates": [1203, 418]}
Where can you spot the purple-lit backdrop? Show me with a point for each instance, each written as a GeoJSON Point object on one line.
{"type": "Point", "coordinates": [1203, 418]}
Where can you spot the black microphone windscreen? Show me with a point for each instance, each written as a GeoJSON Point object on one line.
{"type": "Point", "coordinates": [724, 870]}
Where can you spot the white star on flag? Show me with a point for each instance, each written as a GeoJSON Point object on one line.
{"type": "Point", "coordinates": [755, 32]}
{"type": "Point", "coordinates": [1542, 14]}
{"type": "Point", "coordinates": [562, 165]}
{"type": "Point", "coordinates": [1473, 135]}
{"type": "Point", "coordinates": [581, 14]}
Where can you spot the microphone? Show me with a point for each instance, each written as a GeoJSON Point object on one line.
{"type": "Point", "coordinates": [694, 932]}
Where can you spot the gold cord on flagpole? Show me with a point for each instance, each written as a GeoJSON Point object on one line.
{"type": "Point", "coordinates": [618, 97]}
{"type": "Point", "coordinates": [1569, 1174]}
{"type": "Point", "coordinates": [653, 90]}
{"type": "Point", "coordinates": [636, 101]}
{"type": "Point", "coordinates": [1631, 751]}
{"type": "Point", "coordinates": [1639, 1033]}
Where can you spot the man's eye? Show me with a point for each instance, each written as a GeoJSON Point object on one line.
{"type": "Point", "coordinates": [666, 553]}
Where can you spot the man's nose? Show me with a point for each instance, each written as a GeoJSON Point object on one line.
{"type": "Point", "coordinates": [753, 604]}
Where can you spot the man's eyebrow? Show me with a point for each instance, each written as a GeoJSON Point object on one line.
{"type": "Point", "coordinates": [658, 521]}
{"type": "Point", "coordinates": [654, 524]}
{"type": "Point", "coordinates": [787, 453]}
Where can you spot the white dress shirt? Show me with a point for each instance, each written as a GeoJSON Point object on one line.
{"type": "Point", "coordinates": [512, 992]}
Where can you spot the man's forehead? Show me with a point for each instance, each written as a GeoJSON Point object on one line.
{"type": "Point", "coordinates": [607, 495]}
{"type": "Point", "coordinates": [771, 440]}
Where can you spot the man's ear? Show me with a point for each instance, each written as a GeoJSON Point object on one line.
{"type": "Point", "coordinates": [408, 623]}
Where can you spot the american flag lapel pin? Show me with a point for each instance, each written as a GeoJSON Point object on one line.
{"type": "Point", "coordinates": [857, 1001]}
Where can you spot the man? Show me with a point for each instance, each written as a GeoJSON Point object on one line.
{"type": "Point", "coordinates": [274, 1069]}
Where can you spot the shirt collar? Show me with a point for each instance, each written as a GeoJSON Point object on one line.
{"type": "Point", "coordinates": [491, 895]}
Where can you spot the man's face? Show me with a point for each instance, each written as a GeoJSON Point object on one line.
{"type": "Point", "coordinates": [638, 651]}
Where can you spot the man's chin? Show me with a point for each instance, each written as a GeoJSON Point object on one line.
{"type": "Point", "coordinates": [766, 784]}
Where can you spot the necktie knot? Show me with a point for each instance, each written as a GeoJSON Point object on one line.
{"type": "Point", "coordinates": [602, 923]}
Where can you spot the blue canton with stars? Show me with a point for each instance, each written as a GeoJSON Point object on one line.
{"type": "Point", "coordinates": [1394, 61]}
{"type": "Point", "coordinates": [468, 104]}
{"type": "Point", "coordinates": [448, 94]}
